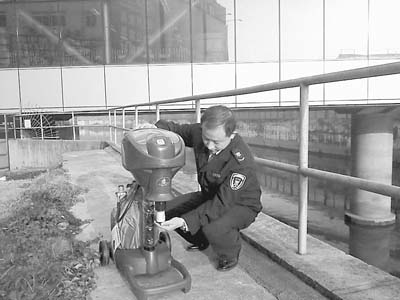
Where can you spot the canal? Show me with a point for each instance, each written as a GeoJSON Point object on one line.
{"type": "Point", "coordinates": [378, 246]}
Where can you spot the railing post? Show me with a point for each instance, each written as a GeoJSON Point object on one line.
{"type": "Point", "coordinates": [303, 163]}
{"type": "Point", "coordinates": [41, 126]}
{"type": "Point", "coordinates": [136, 117]}
{"type": "Point", "coordinates": [198, 111]}
{"type": "Point", "coordinates": [109, 124]}
{"type": "Point", "coordinates": [123, 118]}
{"type": "Point", "coordinates": [20, 126]}
{"type": "Point", "coordinates": [15, 127]}
{"type": "Point", "coordinates": [6, 137]}
{"type": "Point", "coordinates": [73, 126]}
{"type": "Point", "coordinates": [157, 112]}
{"type": "Point", "coordinates": [115, 126]}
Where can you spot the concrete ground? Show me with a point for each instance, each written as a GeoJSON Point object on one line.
{"type": "Point", "coordinates": [269, 266]}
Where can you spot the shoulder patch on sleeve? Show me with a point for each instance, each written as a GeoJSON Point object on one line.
{"type": "Point", "coordinates": [238, 154]}
{"type": "Point", "coordinates": [237, 181]}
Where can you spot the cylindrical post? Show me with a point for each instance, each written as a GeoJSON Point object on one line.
{"type": "Point", "coordinates": [6, 137]}
{"type": "Point", "coordinates": [41, 126]}
{"type": "Point", "coordinates": [303, 163]}
{"type": "Point", "coordinates": [15, 127]}
{"type": "Point", "coordinates": [20, 127]}
{"type": "Point", "coordinates": [73, 126]}
{"type": "Point", "coordinates": [198, 111]}
{"type": "Point", "coordinates": [5, 127]}
{"type": "Point", "coordinates": [157, 112]}
{"type": "Point", "coordinates": [123, 118]}
{"type": "Point", "coordinates": [372, 159]}
{"type": "Point", "coordinates": [106, 22]}
{"type": "Point", "coordinates": [115, 126]}
{"type": "Point", "coordinates": [136, 117]}
{"type": "Point", "coordinates": [109, 124]}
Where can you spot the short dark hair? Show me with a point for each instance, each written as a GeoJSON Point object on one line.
{"type": "Point", "coordinates": [219, 115]}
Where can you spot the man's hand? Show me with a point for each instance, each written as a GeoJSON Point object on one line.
{"type": "Point", "coordinates": [172, 224]}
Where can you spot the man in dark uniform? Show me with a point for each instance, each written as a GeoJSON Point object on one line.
{"type": "Point", "coordinates": [230, 193]}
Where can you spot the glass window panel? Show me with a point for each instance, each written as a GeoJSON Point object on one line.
{"type": "Point", "coordinates": [169, 31]}
{"type": "Point", "coordinates": [128, 32]}
{"type": "Point", "coordinates": [213, 78]}
{"type": "Point", "coordinates": [384, 88]}
{"type": "Point", "coordinates": [346, 29]}
{"type": "Point", "coordinates": [39, 27]}
{"type": "Point", "coordinates": [167, 82]}
{"type": "Point", "coordinates": [257, 31]}
{"type": "Point", "coordinates": [213, 30]}
{"type": "Point", "coordinates": [76, 83]}
{"type": "Point", "coordinates": [301, 29]}
{"type": "Point", "coordinates": [82, 35]}
{"type": "Point", "coordinates": [384, 20]}
{"type": "Point", "coordinates": [126, 85]}
{"type": "Point", "coordinates": [8, 36]}
{"type": "Point", "coordinates": [251, 74]}
{"type": "Point", "coordinates": [41, 87]}
{"type": "Point", "coordinates": [9, 88]}
{"type": "Point", "coordinates": [345, 92]}
{"type": "Point", "coordinates": [293, 70]}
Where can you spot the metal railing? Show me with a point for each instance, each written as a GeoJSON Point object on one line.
{"type": "Point", "coordinates": [303, 171]}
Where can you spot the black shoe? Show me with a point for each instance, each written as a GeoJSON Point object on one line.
{"type": "Point", "coordinates": [226, 264]}
{"type": "Point", "coordinates": [194, 247]}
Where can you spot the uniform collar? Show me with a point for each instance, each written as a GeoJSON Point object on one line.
{"type": "Point", "coordinates": [225, 153]}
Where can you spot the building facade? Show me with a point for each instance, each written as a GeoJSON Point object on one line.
{"type": "Point", "coordinates": [77, 55]}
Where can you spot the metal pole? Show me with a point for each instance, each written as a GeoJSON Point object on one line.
{"type": "Point", "coordinates": [115, 126]}
{"type": "Point", "coordinates": [303, 163]}
{"type": "Point", "coordinates": [6, 136]}
{"type": "Point", "coordinates": [136, 117]}
{"type": "Point", "coordinates": [15, 128]}
{"type": "Point", "coordinates": [123, 118]}
{"type": "Point", "coordinates": [109, 124]}
{"type": "Point", "coordinates": [20, 127]}
{"type": "Point", "coordinates": [198, 111]}
{"type": "Point", "coordinates": [41, 126]}
{"type": "Point", "coordinates": [73, 126]}
{"type": "Point", "coordinates": [198, 120]}
{"type": "Point", "coordinates": [157, 112]}
{"type": "Point", "coordinates": [106, 24]}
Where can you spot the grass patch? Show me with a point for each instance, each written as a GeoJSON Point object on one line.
{"type": "Point", "coordinates": [39, 257]}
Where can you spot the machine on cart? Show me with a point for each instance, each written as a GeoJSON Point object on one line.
{"type": "Point", "coordinates": [138, 246]}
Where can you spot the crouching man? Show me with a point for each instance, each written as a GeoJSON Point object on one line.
{"type": "Point", "coordinates": [230, 193]}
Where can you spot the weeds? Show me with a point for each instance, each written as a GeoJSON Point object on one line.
{"type": "Point", "coordinates": [39, 258]}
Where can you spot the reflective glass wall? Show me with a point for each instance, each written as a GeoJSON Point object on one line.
{"type": "Point", "coordinates": [208, 45]}
{"type": "Point", "coordinates": [68, 33]}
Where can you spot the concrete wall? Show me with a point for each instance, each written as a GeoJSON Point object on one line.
{"type": "Point", "coordinates": [29, 154]}
{"type": "Point", "coordinates": [3, 155]}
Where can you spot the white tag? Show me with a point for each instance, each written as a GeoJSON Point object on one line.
{"type": "Point", "coordinates": [160, 216]}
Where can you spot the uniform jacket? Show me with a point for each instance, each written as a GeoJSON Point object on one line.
{"type": "Point", "coordinates": [228, 179]}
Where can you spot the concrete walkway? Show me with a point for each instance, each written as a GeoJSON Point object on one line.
{"type": "Point", "coordinates": [333, 273]}
{"type": "Point", "coordinates": [100, 173]}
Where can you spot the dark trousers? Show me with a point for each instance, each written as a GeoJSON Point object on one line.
{"type": "Point", "coordinates": [222, 233]}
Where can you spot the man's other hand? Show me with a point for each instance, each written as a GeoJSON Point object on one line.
{"type": "Point", "coordinates": [172, 224]}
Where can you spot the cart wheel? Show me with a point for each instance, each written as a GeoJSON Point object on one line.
{"type": "Point", "coordinates": [164, 236]}
{"type": "Point", "coordinates": [111, 250]}
{"type": "Point", "coordinates": [104, 253]}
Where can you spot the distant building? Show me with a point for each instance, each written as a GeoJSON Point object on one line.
{"type": "Point", "coordinates": [76, 32]}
